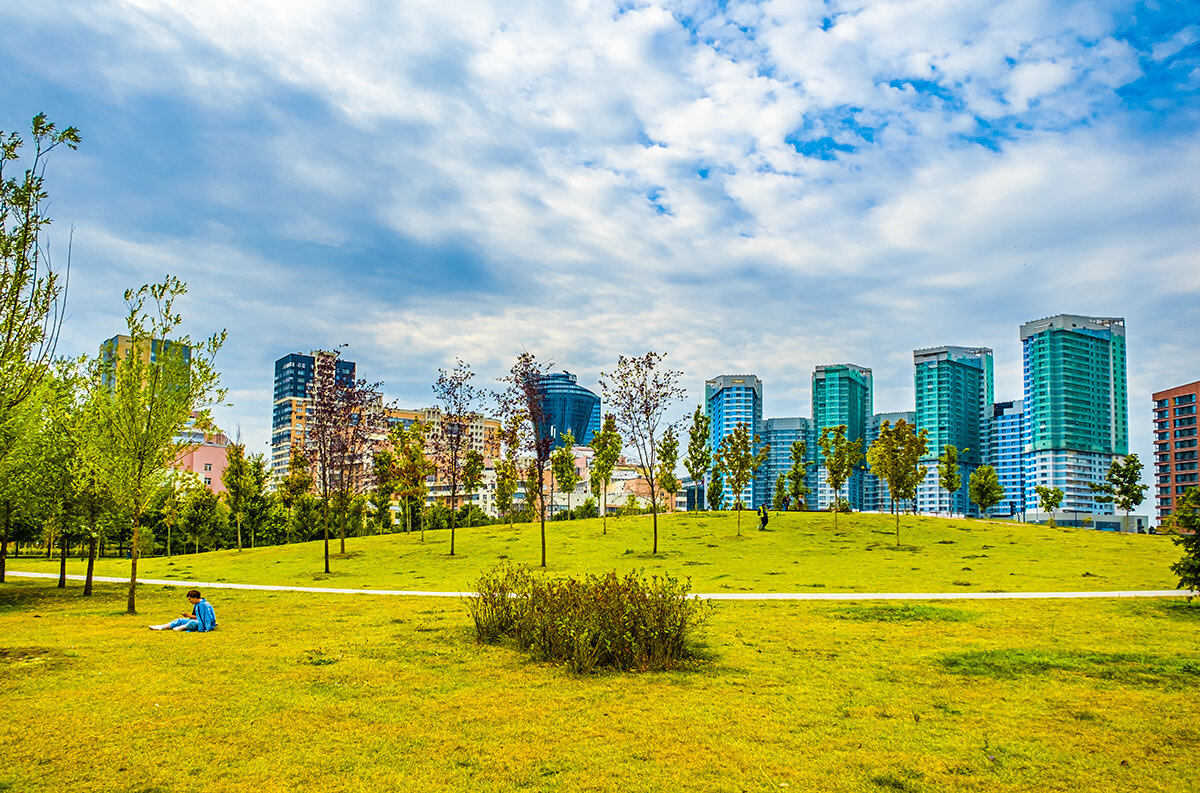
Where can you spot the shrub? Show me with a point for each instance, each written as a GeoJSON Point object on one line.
{"type": "Point", "coordinates": [599, 621]}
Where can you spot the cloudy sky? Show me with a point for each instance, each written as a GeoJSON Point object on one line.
{"type": "Point", "coordinates": [747, 186]}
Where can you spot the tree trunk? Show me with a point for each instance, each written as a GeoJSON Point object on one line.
{"type": "Point", "coordinates": [604, 509]}
{"type": "Point", "coordinates": [91, 566]}
{"type": "Point", "coordinates": [239, 531]}
{"type": "Point", "coordinates": [326, 522]}
{"type": "Point", "coordinates": [453, 503]}
{"type": "Point", "coordinates": [4, 540]}
{"type": "Point", "coordinates": [542, 499]}
{"type": "Point", "coordinates": [343, 514]}
{"type": "Point", "coordinates": [62, 559]}
{"type": "Point", "coordinates": [134, 552]}
{"type": "Point", "coordinates": [654, 518]}
{"type": "Point", "coordinates": [897, 514]}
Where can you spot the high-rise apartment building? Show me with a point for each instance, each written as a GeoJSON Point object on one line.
{"type": "Point", "coordinates": [841, 394]}
{"type": "Point", "coordinates": [954, 396]}
{"type": "Point", "coordinates": [1076, 404]}
{"type": "Point", "coordinates": [569, 408]}
{"type": "Point", "coordinates": [1008, 439]}
{"type": "Point", "coordinates": [876, 495]}
{"type": "Point", "coordinates": [1176, 456]}
{"type": "Point", "coordinates": [294, 375]}
{"type": "Point", "coordinates": [729, 400]}
{"type": "Point", "coordinates": [779, 434]}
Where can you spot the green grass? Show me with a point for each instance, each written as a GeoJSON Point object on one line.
{"type": "Point", "coordinates": [800, 553]}
{"type": "Point", "coordinates": [362, 693]}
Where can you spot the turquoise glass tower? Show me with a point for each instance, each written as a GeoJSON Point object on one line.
{"type": "Point", "coordinates": [729, 400]}
{"type": "Point", "coordinates": [842, 393]}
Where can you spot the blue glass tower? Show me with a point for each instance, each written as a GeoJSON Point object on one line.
{"type": "Point", "coordinates": [729, 400]}
{"type": "Point", "coordinates": [569, 407]}
{"type": "Point", "coordinates": [1007, 456]}
{"type": "Point", "coordinates": [780, 434]}
{"type": "Point", "coordinates": [294, 375]}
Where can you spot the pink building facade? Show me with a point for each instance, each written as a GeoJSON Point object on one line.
{"type": "Point", "coordinates": [207, 461]}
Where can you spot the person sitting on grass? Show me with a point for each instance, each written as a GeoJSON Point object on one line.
{"type": "Point", "coordinates": [201, 618]}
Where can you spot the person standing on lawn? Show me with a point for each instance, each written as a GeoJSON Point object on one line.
{"type": "Point", "coordinates": [201, 618]}
{"type": "Point", "coordinates": [763, 517]}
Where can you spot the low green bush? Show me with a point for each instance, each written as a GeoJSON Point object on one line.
{"type": "Point", "coordinates": [597, 621]}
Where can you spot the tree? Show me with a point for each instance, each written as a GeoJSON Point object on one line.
{"type": "Point", "coordinates": [739, 462]}
{"type": "Point", "coordinates": [1187, 517]}
{"type": "Point", "coordinates": [202, 518]}
{"type": "Point", "coordinates": [699, 457]}
{"type": "Point", "coordinates": [640, 391]}
{"type": "Point", "coordinates": [451, 437]}
{"type": "Point", "coordinates": [238, 483]}
{"type": "Point", "coordinates": [298, 482]}
{"type": "Point", "coordinates": [780, 492]}
{"type": "Point", "coordinates": [383, 470]}
{"type": "Point", "coordinates": [1122, 485]}
{"type": "Point", "coordinates": [1049, 498]}
{"type": "Point", "coordinates": [562, 466]}
{"type": "Point", "coordinates": [523, 398]}
{"type": "Point", "coordinates": [716, 487]}
{"type": "Point", "coordinates": [607, 445]}
{"type": "Point", "coordinates": [949, 477]}
{"type": "Point", "coordinates": [668, 460]}
{"type": "Point", "coordinates": [842, 457]}
{"type": "Point", "coordinates": [508, 475]}
{"type": "Point", "coordinates": [412, 468]}
{"type": "Point", "coordinates": [984, 488]}
{"type": "Point", "coordinates": [797, 475]}
{"type": "Point", "coordinates": [894, 457]}
{"type": "Point", "coordinates": [472, 476]}
{"type": "Point", "coordinates": [144, 395]}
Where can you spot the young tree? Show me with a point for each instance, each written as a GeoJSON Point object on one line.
{"type": "Point", "coordinates": [640, 392]}
{"type": "Point", "coordinates": [739, 461]}
{"type": "Point", "coordinates": [508, 475]}
{"type": "Point", "coordinates": [716, 487]}
{"type": "Point", "coordinates": [949, 477]}
{"type": "Point", "coordinates": [699, 457]}
{"type": "Point", "coordinates": [894, 457]}
{"type": "Point", "coordinates": [1122, 485]}
{"type": "Point", "coordinates": [1186, 517]}
{"type": "Point", "coordinates": [797, 475]}
{"type": "Point", "coordinates": [203, 518]}
{"type": "Point", "coordinates": [472, 479]}
{"type": "Point", "coordinates": [780, 491]}
{"type": "Point", "coordinates": [562, 466]}
{"type": "Point", "coordinates": [451, 437]}
{"type": "Point", "coordinates": [1049, 498]}
{"type": "Point", "coordinates": [842, 457]}
{"type": "Point", "coordinates": [144, 395]}
{"type": "Point", "coordinates": [984, 488]}
{"type": "Point", "coordinates": [298, 482]}
{"type": "Point", "coordinates": [523, 397]}
{"type": "Point", "coordinates": [607, 444]}
{"type": "Point", "coordinates": [412, 468]}
{"type": "Point", "coordinates": [238, 483]}
{"type": "Point", "coordinates": [383, 471]}
{"type": "Point", "coordinates": [668, 461]}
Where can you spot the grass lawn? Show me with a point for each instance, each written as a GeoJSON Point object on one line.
{"type": "Point", "coordinates": [364, 693]}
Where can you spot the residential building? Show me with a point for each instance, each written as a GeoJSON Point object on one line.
{"type": "Point", "coordinates": [1009, 437]}
{"type": "Point", "coordinates": [569, 407]}
{"type": "Point", "coordinates": [955, 390]}
{"type": "Point", "coordinates": [294, 375]}
{"type": "Point", "coordinates": [206, 459]}
{"type": "Point", "coordinates": [779, 434]}
{"type": "Point", "coordinates": [841, 394]}
{"type": "Point", "coordinates": [730, 400]}
{"type": "Point", "coordinates": [876, 495]}
{"type": "Point", "coordinates": [1076, 404]}
{"type": "Point", "coordinates": [1176, 456]}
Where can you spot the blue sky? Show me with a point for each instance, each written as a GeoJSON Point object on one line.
{"type": "Point", "coordinates": [748, 187]}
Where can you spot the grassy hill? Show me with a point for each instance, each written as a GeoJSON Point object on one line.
{"type": "Point", "coordinates": [801, 552]}
{"type": "Point", "coordinates": [333, 692]}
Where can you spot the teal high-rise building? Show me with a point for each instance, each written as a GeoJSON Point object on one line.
{"type": "Point", "coordinates": [1076, 405]}
{"type": "Point", "coordinates": [729, 400]}
{"type": "Point", "coordinates": [779, 434]}
{"type": "Point", "coordinates": [955, 390]}
{"type": "Point", "coordinates": [842, 394]}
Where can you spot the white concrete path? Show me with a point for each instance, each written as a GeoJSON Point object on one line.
{"type": "Point", "coordinates": [720, 596]}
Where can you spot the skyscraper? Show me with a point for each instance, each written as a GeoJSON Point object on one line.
{"type": "Point", "coordinates": [729, 400]}
{"type": "Point", "coordinates": [780, 434]}
{"type": "Point", "coordinates": [841, 394]}
{"type": "Point", "coordinates": [954, 395]}
{"type": "Point", "coordinates": [569, 407]}
{"type": "Point", "coordinates": [294, 375]}
{"type": "Point", "coordinates": [1076, 403]}
{"type": "Point", "coordinates": [1176, 457]}
{"type": "Point", "coordinates": [1006, 455]}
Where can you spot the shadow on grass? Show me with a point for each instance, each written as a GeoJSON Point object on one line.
{"type": "Point", "coordinates": [904, 614]}
{"type": "Point", "coordinates": [1124, 668]}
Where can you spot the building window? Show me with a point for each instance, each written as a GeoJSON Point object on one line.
{"type": "Point", "coordinates": [208, 466]}
{"type": "Point", "coordinates": [208, 480]}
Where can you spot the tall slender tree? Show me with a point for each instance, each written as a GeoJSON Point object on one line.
{"type": "Point", "coordinates": [1122, 485]}
{"type": "Point", "coordinates": [842, 458]}
{"type": "Point", "coordinates": [508, 474]}
{"type": "Point", "coordinates": [607, 445]}
{"type": "Point", "coordinates": [894, 458]}
{"type": "Point", "coordinates": [451, 437]}
{"type": "Point", "coordinates": [716, 486]}
{"type": "Point", "coordinates": [640, 391]}
{"type": "Point", "coordinates": [739, 461]}
{"type": "Point", "coordinates": [238, 483]}
{"type": "Point", "coordinates": [144, 392]}
{"type": "Point", "coordinates": [797, 474]}
{"type": "Point", "coordinates": [523, 396]}
{"type": "Point", "coordinates": [949, 476]}
{"type": "Point", "coordinates": [298, 482]}
{"type": "Point", "coordinates": [413, 468]}
{"type": "Point", "coordinates": [562, 466]}
{"type": "Point", "coordinates": [668, 461]}
{"type": "Point", "coordinates": [699, 457]}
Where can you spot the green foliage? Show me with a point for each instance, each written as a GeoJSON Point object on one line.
{"type": "Point", "coordinates": [1122, 486]}
{"type": "Point", "coordinates": [842, 457]}
{"type": "Point", "coordinates": [1187, 525]}
{"type": "Point", "coordinates": [1123, 668]}
{"type": "Point", "coordinates": [739, 460]}
{"type": "Point", "coordinates": [562, 466]}
{"type": "Point", "coordinates": [472, 476]}
{"type": "Point", "coordinates": [203, 519]}
{"type": "Point", "coordinates": [599, 621]}
{"type": "Point", "coordinates": [668, 459]}
{"type": "Point", "coordinates": [780, 491]}
{"type": "Point", "coordinates": [894, 458]}
{"type": "Point", "coordinates": [984, 488]}
{"type": "Point", "coordinates": [1049, 498]}
{"type": "Point", "coordinates": [699, 452]}
{"type": "Point", "coordinates": [412, 468]}
{"type": "Point", "coordinates": [949, 477]}
{"type": "Point", "coordinates": [797, 474]}
{"type": "Point", "coordinates": [716, 486]}
{"type": "Point", "coordinates": [607, 445]}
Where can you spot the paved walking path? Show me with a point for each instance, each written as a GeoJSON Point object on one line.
{"type": "Point", "coordinates": [719, 596]}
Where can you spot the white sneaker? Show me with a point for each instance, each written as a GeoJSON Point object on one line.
{"type": "Point", "coordinates": [158, 627]}
{"type": "Point", "coordinates": [180, 628]}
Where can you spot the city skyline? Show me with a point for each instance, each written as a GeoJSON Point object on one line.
{"type": "Point", "coordinates": [751, 188]}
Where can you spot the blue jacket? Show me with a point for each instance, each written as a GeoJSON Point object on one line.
{"type": "Point", "coordinates": [205, 615]}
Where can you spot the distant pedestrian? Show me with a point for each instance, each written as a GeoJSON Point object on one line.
{"type": "Point", "coordinates": [763, 517]}
{"type": "Point", "coordinates": [201, 618]}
